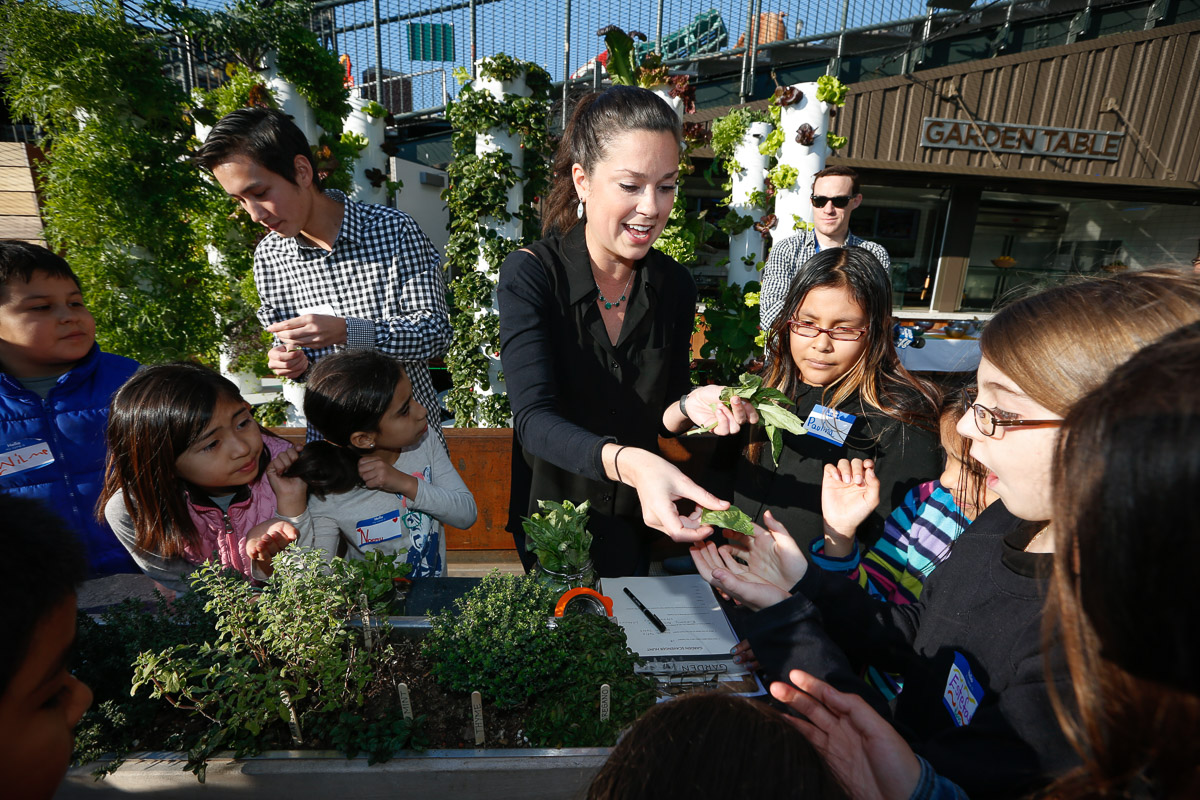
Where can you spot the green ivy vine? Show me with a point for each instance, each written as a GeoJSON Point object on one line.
{"type": "Point", "coordinates": [478, 189]}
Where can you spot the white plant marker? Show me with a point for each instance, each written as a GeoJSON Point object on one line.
{"type": "Point", "coordinates": [752, 178]}
{"type": "Point", "coordinates": [605, 701]}
{"type": "Point", "coordinates": [405, 701]}
{"type": "Point", "coordinates": [293, 720]}
{"type": "Point", "coordinates": [477, 717]}
{"type": "Point", "coordinates": [793, 201]}
{"type": "Point", "coordinates": [368, 634]}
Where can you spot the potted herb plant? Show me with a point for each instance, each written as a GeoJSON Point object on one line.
{"type": "Point", "coordinates": [558, 536]}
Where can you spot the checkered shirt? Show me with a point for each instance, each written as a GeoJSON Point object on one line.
{"type": "Point", "coordinates": [383, 275]}
{"type": "Point", "coordinates": [787, 256]}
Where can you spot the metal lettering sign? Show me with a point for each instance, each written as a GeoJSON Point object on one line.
{"type": "Point", "coordinates": [1031, 140]}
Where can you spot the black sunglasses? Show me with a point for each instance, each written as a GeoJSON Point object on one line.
{"type": "Point", "coordinates": [819, 200]}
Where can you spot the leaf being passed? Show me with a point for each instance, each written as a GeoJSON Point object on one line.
{"type": "Point", "coordinates": [732, 518]}
{"type": "Point", "coordinates": [768, 402]}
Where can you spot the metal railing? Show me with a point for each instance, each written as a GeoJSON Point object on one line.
{"type": "Point", "coordinates": [561, 36]}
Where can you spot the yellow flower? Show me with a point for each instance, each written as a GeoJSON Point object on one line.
{"type": "Point", "coordinates": [751, 299]}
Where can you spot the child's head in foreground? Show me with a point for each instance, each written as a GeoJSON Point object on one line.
{"type": "Point", "coordinates": [40, 700]}
{"type": "Point", "coordinates": [45, 328]}
{"type": "Point", "coordinates": [712, 745]}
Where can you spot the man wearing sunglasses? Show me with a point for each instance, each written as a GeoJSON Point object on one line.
{"type": "Point", "coordinates": [834, 196]}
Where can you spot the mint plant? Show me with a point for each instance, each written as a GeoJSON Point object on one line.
{"type": "Point", "coordinates": [558, 535]}
{"type": "Point", "coordinates": [497, 640]}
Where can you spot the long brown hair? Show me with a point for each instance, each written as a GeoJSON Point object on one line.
{"type": "Point", "coordinates": [708, 746]}
{"type": "Point", "coordinates": [878, 376]}
{"type": "Point", "coordinates": [1126, 520]}
{"type": "Point", "coordinates": [598, 119]}
{"type": "Point", "coordinates": [1061, 343]}
{"type": "Point", "coordinates": [152, 420]}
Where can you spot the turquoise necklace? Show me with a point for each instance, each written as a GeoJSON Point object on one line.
{"type": "Point", "coordinates": [613, 303]}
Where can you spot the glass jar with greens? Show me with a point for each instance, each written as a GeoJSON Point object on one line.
{"type": "Point", "coordinates": [558, 536]}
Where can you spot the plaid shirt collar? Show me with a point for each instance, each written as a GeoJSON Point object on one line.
{"type": "Point", "coordinates": [351, 232]}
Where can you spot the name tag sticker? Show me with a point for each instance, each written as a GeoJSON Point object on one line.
{"type": "Point", "coordinates": [830, 425]}
{"type": "Point", "coordinates": [963, 692]}
{"type": "Point", "coordinates": [24, 454]}
{"type": "Point", "coordinates": [379, 529]}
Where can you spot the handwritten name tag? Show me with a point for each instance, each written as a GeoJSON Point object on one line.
{"type": "Point", "coordinates": [830, 425]}
{"type": "Point", "coordinates": [963, 692]}
{"type": "Point", "coordinates": [380, 529]}
{"type": "Point", "coordinates": [24, 454]}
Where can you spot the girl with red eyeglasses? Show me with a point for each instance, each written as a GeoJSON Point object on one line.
{"type": "Point", "coordinates": [831, 351]}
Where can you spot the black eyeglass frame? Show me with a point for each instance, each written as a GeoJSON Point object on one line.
{"type": "Point", "coordinates": [840, 201]}
{"type": "Point", "coordinates": [795, 325]}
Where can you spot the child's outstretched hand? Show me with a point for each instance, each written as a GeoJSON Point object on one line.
{"type": "Point", "coordinates": [378, 474]}
{"type": "Point", "coordinates": [268, 538]}
{"type": "Point", "coordinates": [733, 578]}
{"type": "Point", "coordinates": [291, 494]}
{"type": "Point", "coordinates": [771, 553]}
{"type": "Point", "coordinates": [849, 493]}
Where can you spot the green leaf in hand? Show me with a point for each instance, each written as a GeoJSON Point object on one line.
{"type": "Point", "coordinates": [732, 518]}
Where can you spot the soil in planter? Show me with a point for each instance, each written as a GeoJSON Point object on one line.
{"type": "Point", "coordinates": [447, 716]}
{"type": "Point", "coordinates": [448, 722]}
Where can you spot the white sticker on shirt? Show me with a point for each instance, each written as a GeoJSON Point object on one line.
{"type": "Point", "coordinates": [24, 454]}
{"type": "Point", "coordinates": [379, 529]}
{"type": "Point", "coordinates": [828, 424]}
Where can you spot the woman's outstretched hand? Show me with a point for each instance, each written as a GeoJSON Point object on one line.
{"type": "Point", "coordinates": [659, 483]}
{"type": "Point", "coordinates": [870, 759]}
{"type": "Point", "coordinates": [771, 554]}
{"type": "Point", "coordinates": [849, 493]}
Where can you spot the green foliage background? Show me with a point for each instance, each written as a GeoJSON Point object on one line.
{"type": "Point", "coordinates": [118, 193]}
{"type": "Point", "coordinates": [121, 200]}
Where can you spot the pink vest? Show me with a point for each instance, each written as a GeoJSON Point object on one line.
{"type": "Point", "coordinates": [225, 533]}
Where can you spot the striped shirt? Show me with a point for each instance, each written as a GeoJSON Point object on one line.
{"type": "Point", "coordinates": [916, 538]}
{"type": "Point", "coordinates": [785, 260]}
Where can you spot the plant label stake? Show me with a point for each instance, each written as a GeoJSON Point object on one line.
{"type": "Point", "coordinates": [293, 721]}
{"type": "Point", "coordinates": [605, 701]}
{"type": "Point", "coordinates": [405, 701]}
{"type": "Point", "coordinates": [368, 638]}
{"type": "Point", "coordinates": [477, 717]}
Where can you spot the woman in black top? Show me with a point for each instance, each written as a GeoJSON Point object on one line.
{"type": "Point", "coordinates": [595, 332]}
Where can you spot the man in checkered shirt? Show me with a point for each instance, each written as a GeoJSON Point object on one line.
{"type": "Point", "coordinates": [332, 274]}
{"type": "Point", "coordinates": [835, 195]}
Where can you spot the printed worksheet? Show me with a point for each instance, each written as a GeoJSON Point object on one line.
{"type": "Point", "coordinates": [696, 626]}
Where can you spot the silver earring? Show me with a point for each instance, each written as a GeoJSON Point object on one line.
{"type": "Point", "coordinates": [579, 210]}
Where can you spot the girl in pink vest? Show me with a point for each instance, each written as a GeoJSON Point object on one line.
{"type": "Point", "coordinates": [190, 476]}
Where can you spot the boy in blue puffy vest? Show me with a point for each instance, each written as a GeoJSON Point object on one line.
{"type": "Point", "coordinates": [55, 386]}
